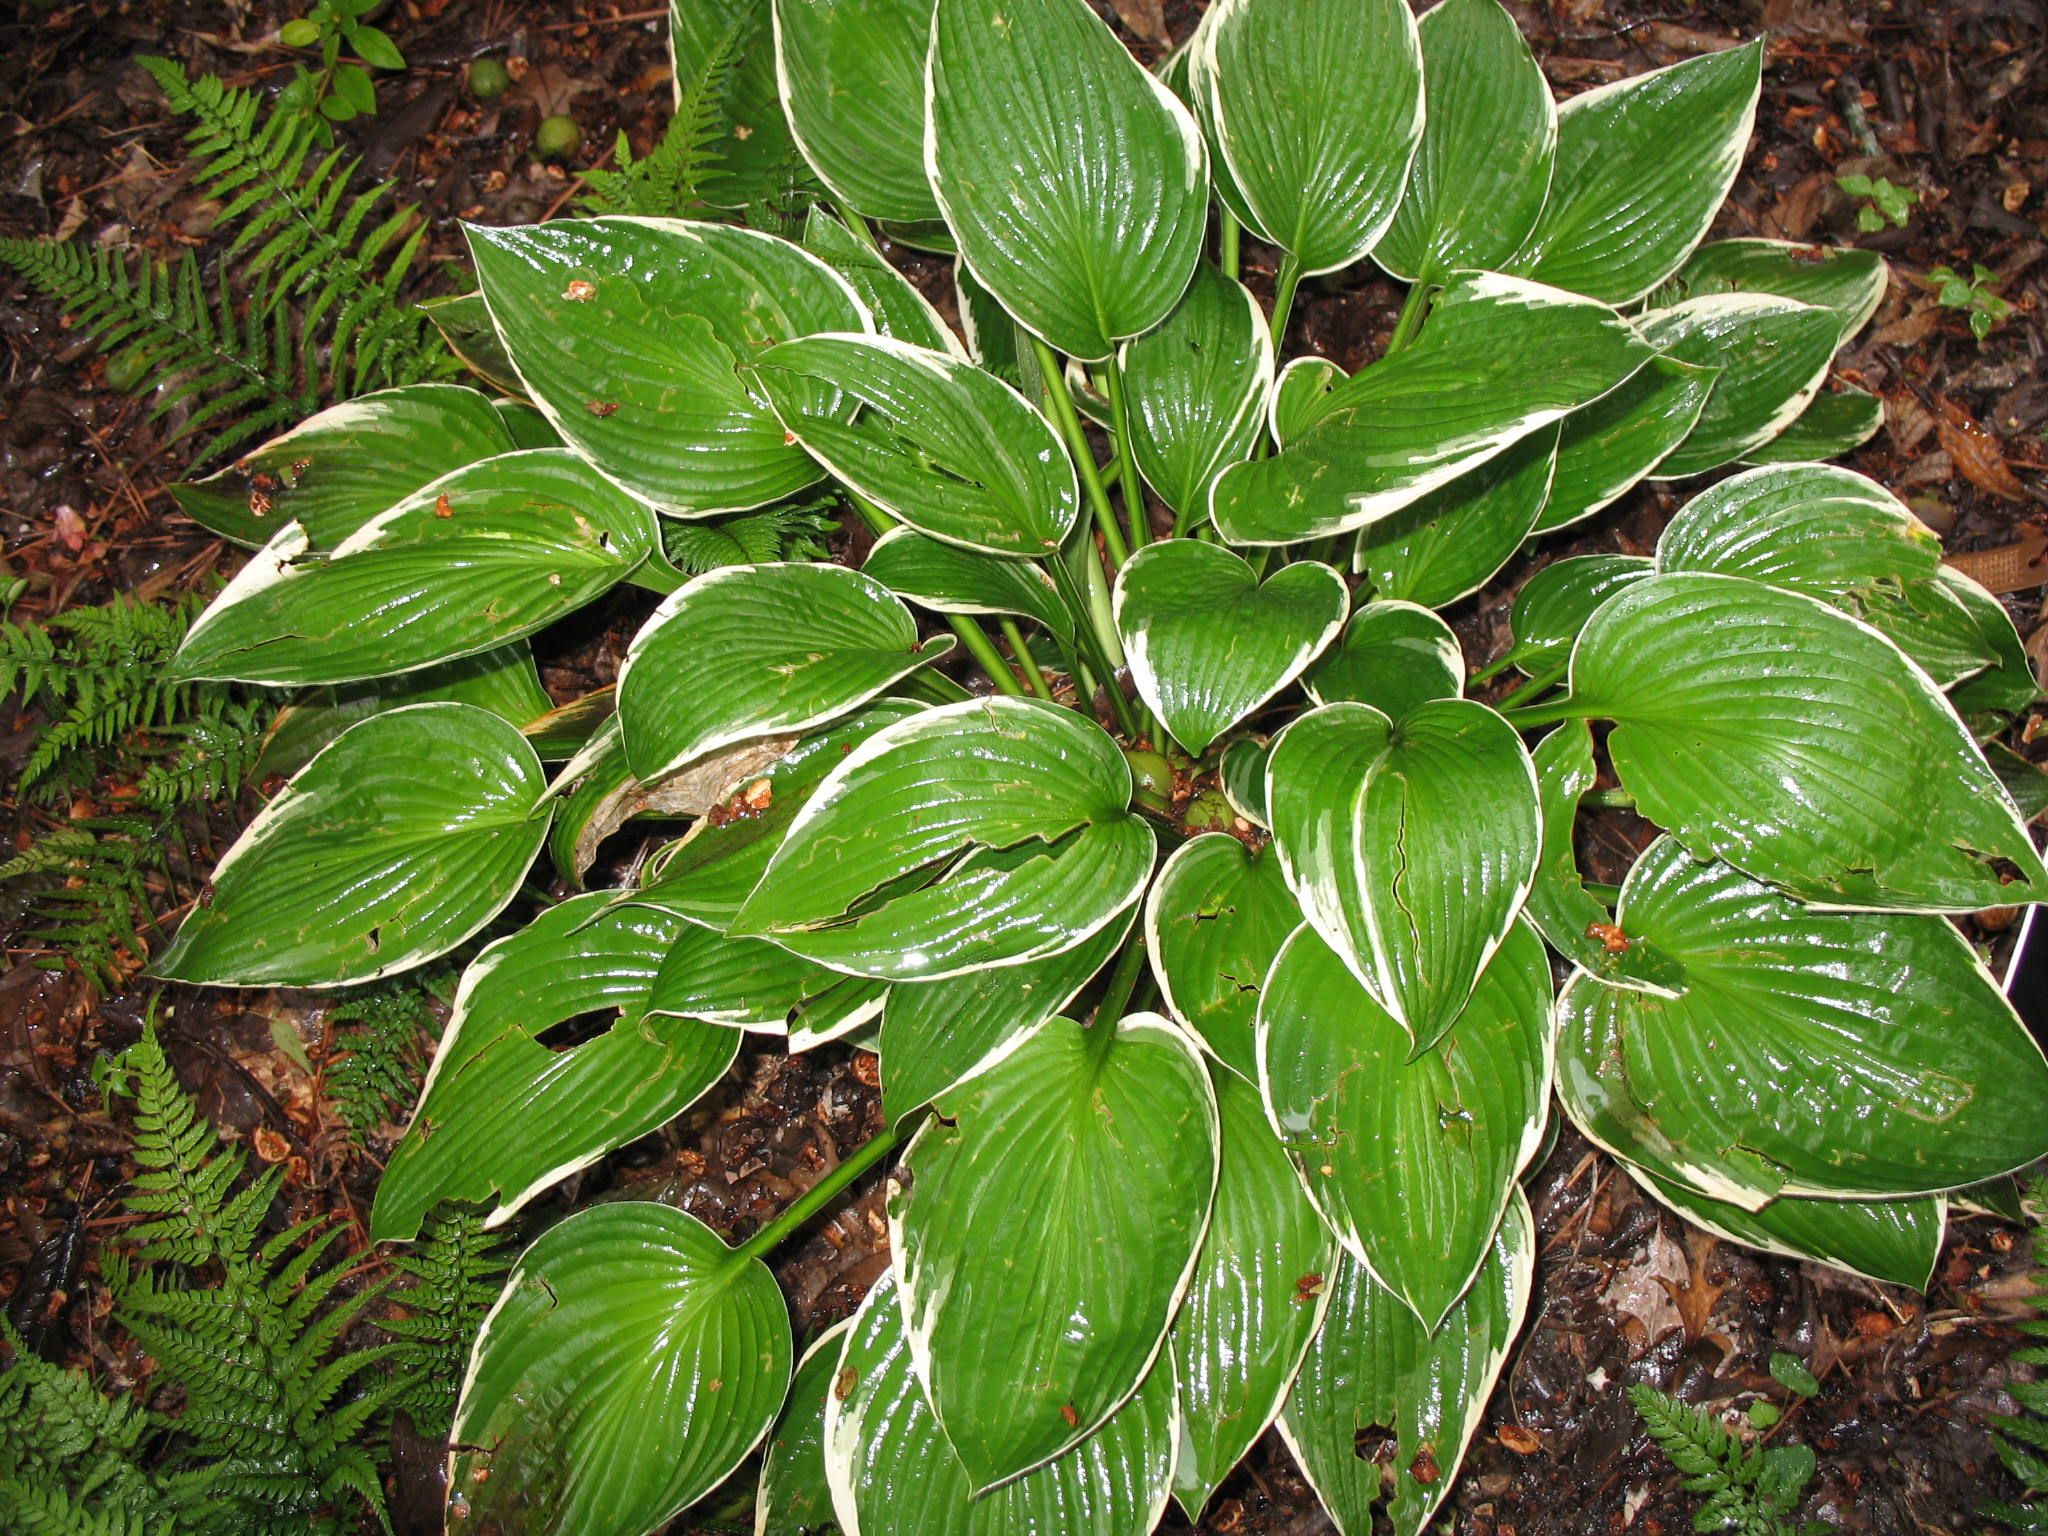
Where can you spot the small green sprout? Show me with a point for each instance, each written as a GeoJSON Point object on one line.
{"type": "Point", "coordinates": [1986, 309]}
{"type": "Point", "coordinates": [1888, 204]}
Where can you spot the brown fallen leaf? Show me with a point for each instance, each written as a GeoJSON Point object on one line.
{"type": "Point", "coordinates": [1147, 18]}
{"type": "Point", "coordinates": [1978, 455]}
{"type": "Point", "coordinates": [1523, 1442]}
{"type": "Point", "coordinates": [2016, 567]}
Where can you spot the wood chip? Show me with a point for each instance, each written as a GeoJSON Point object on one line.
{"type": "Point", "coordinates": [2016, 567]}
{"type": "Point", "coordinates": [1978, 455]}
{"type": "Point", "coordinates": [1522, 1442]}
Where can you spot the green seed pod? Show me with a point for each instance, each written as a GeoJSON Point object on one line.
{"type": "Point", "coordinates": [557, 137]}
{"type": "Point", "coordinates": [488, 80]}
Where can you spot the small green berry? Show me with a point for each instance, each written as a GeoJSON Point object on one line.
{"type": "Point", "coordinates": [1150, 770]}
{"type": "Point", "coordinates": [557, 137]}
{"type": "Point", "coordinates": [1209, 812]}
{"type": "Point", "coordinates": [301, 33]}
{"type": "Point", "coordinates": [488, 80]}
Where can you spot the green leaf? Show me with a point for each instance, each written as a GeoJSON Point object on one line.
{"type": "Point", "coordinates": [1260, 1286]}
{"type": "Point", "coordinates": [1767, 729]}
{"type": "Point", "coordinates": [747, 983]}
{"type": "Point", "coordinates": [1393, 656]}
{"type": "Point", "coordinates": [1498, 359]}
{"type": "Point", "coordinates": [1642, 168]}
{"type": "Point", "coordinates": [1791, 1374]}
{"type": "Point", "coordinates": [2009, 684]}
{"type": "Point", "coordinates": [525, 425]}
{"type": "Point", "coordinates": [948, 579]}
{"type": "Point", "coordinates": [937, 1034]}
{"type": "Point", "coordinates": [1214, 920]}
{"type": "Point", "coordinates": [335, 471]}
{"type": "Point", "coordinates": [755, 154]}
{"type": "Point", "coordinates": [1316, 112]}
{"type": "Point", "coordinates": [1301, 396]}
{"type": "Point", "coordinates": [1028, 103]}
{"type": "Point", "coordinates": [1450, 543]}
{"type": "Point", "coordinates": [1555, 603]}
{"type": "Point", "coordinates": [1605, 448]}
{"type": "Point", "coordinates": [795, 1496]}
{"type": "Point", "coordinates": [1379, 1397]}
{"type": "Point", "coordinates": [631, 1364]}
{"type": "Point", "coordinates": [1482, 173]}
{"type": "Point", "coordinates": [464, 321]}
{"type": "Point", "coordinates": [1035, 796]}
{"type": "Point", "coordinates": [1094, 1160]}
{"type": "Point", "coordinates": [751, 650]}
{"type": "Point", "coordinates": [951, 450]}
{"type": "Point", "coordinates": [1208, 642]}
{"type": "Point", "coordinates": [1893, 1241]}
{"type": "Point", "coordinates": [1773, 355]}
{"type": "Point", "coordinates": [1242, 776]}
{"type": "Point", "coordinates": [1848, 281]}
{"type": "Point", "coordinates": [1410, 846]}
{"type": "Point", "coordinates": [893, 1471]}
{"type": "Point", "coordinates": [1411, 1161]}
{"type": "Point", "coordinates": [466, 564]}
{"type": "Point", "coordinates": [852, 78]}
{"type": "Point", "coordinates": [502, 1117]}
{"type": "Point", "coordinates": [851, 1003]}
{"type": "Point", "coordinates": [899, 309]}
{"type": "Point", "coordinates": [1198, 385]}
{"type": "Point", "coordinates": [629, 334]}
{"type": "Point", "coordinates": [1904, 1068]}
{"type": "Point", "coordinates": [395, 844]}
{"type": "Point", "coordinates": [1831, 425]}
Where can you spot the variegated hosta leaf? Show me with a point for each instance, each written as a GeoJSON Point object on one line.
{"type": "Point", "coordinates": [899, 309]}
{"type": "Point", "coordinates": [1831, 425]}
{"type": "Point", "coordinates": [1035, 797]}
{"type": "Point", "coordinates": [1642, 167]}
{"type": "Point", "coordinates": [1410, 1156]}
{"type": "Point", "coordinates": [2009, 684]}
{"type": "Point", "coordinates": [1410, 845]}
{"type": "Point", "coordinates": [502, 1117]}
{"type": "Point", "coordinates": [1044, 1232]}
{"type": "Point", "coordinates": [1254, 1304]}
{"type": "Point", "coordinates": [632, 1362]}
{"type": "Point", "coordinates": [628, 334]}
{"type": "Point", "coordinates": [747, 983]}
{"type": "Point", "coordinates": [893, 1473]}
{"type": "Point", "coordinates": [795, 1496]}
{"type": "Point", "coordinates": [1392, 656]}
{"type": "Point", "coordinates": [1555, 603]}
{"type": "Point", "coordinates": [1374, 1372]}
{"type": "Point", "coordinates": [852, 78]}
{"type": "Point", "coordinates": [1848, 281]}
{"type": "Point", "coordinates": [1765, 728]}
{"type": "Point", "coordinates": [1216, 916]}
{"type": "Point", "coordinates": [949, 579]}
{"type": "Point", "coordinates": [1073, 181]}
{"type": "Point", "coordinates": [1812, 1052]}
{"type": "Point", "coordinates": [1498, 359]}
{"type": "Point", "coordinates": [1605, 448]}
{"type": "Point", "coordinates": [1895, 1241]}
{"type": "Point", "coordinates": [1242, 775]}
{"type": "Point", "coordinates": [1301, 396]}
{"type": "Point", "coordinates": [400, 840]}
{"type": "Point", "coordinates": [1773, 355]}
{"type": "Point", "coordinates": [755, 155]}
{"type": "Point", "coordinates": [752, 650]}
{"type": "Point", "coordinates": [1209, 642]}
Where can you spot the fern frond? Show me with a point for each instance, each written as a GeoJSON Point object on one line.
{"type": "Point", "coordinates": [750, 538]}
{"type": "Point", "coordinates": [457, 1269]}
{"type": "Point", "coordinates": [184, 1179]}
{"type": "Point", "coordinates": [93, 920]}
{"type": "Point", "coordinates": [375, 1068]}
{"type": "Point", "coordinates": [671, 178]}
{"type": "Point", "coordinates": [2021, 1439]}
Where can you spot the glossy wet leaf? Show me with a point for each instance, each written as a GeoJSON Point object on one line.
{"type": "Point", "coordinates": [1763, 727]}
{"type": "Point", "coordinates": [400, 840]}
{"type": "Point", "coordinates": [1393, 656]}
{"type": "Point", "coordinates": [1498, 359]}
{"type": "Point", "coordinates": [852, 80]}
{"type": "Point", "coordinates": [1410, 1161]}
{"type": "Point", "coordinates": [1045, 1233]}
{"type": "Point", "coordinates": [1482, 172]}
{"type": "Point", "coordinates": [795, 1498]}
{"type": "Point", "coordinates": [1848, 281]}
{"type": "Point", "coordinates": [1831, 425]}
{"type": "Point", "coordinates": [2009, 684]}
{"type": "Point", "coordinates": [1605, 448]}
{"type": "Point", "coordinates": [1555, 603]}
{"type": "Point", "coordinates": [1893, 1241]}
{"type": "Point", "coordinates": [1642, 167]}
{"type": "Point", "coordinates": [1216, 916]}
{"type": "Point", "coordinates": [743, 982]}
{"type": "Point", "coordinates": [757, 155]}
{"type": "Point", "coordinates": [755, 649]}
{"type": "Point", "coordinates": [1242, 773]}
{"type": "Point", "coordinates": [632, 1362]}
{"type": "Point", "coordinates": [900, 310]}
{"type": "Point", "coordinates": [949, 449]}
{"type": "Point", "coordinates": [850, 1004]}
{"type": "Point", "coordinates": [336, 470]}
{"type": "Point", "coordinates": [1316, 111]}
{"type": "Point", "coordinates": [1260, 1285]}
{"type": "Point", "coordinates": [1409, 844]}
{"type": "Point", "coordinates": [468, 563]}
{"type": "Point", "coordinates": [629, 334]}
{"type": "Point", "coordinates": [1812, 1052]}
{"type": "Point", "coordinates": [949, 579]}
{"type": "Point", "coordinates": [1301, 396]}
{"type": "Point", "coordinates": [1046, 790]}
{"type": "Point", "coordinates": [464, 321]}
{"type": "Point", "coordinates": [1773, 354]}
{"type": "Point", "coordinates": [1449, 544]}
{"type": "Point", "coordinates": [1209, 642]}
{"type": "Point", "coordinates": [501, 1116]}
{"type": "Point", "coordinates": [1375, 1379]}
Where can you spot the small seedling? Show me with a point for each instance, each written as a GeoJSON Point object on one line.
{"type": "Point", "coordinates": [1888, 204]}
{"type": "Point", "coordinates": [1749, 1488]}
{"type": "Point", "coordinates": [1789, 1372]}
{"type": "Point", "coordinates": [1973, 294]}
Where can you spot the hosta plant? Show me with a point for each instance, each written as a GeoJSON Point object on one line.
{"type": "Point", "coordinates": [1221, 951]}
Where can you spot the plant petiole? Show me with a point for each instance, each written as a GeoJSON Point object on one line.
{"type": "Point", "coordinates": [1025, 660]}
{"type": "Point", "coordinates": [971, 634]}
{"type": "Point", "coordinates": [1102, 1028]}
{"type": "Point", "coordinates": [1127, 468]}
{"type": "Point", "coordinates": [1068, 421]}
{"type": "Point", "coordinates": [1537, 683]}
{"type": "Point", "coordinates": [1283, 296]}
{"type": "Point", "coordinates": [821, 1194]}
{"type": "Point", "coordinates": [1414, 309]}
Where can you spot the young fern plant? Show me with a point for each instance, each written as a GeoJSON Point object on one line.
{"type": "Point", "coordinates": [1250, 1105]}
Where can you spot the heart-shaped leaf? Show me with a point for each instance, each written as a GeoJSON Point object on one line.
{"type": "Point", "coordinates": [1608, 446]}
{"type": "Point", "coordinates": [335, 471]}
{"type": "Point", "coordinates": [1773, 354]}
{"type": "Point", "coordinates": [949, 579]}
{"type": "Point", "coordinates": [1091, 1160]}
{"type": "Point", "coordinates": [944, 446]}
{"type": "Point", "coordinates": [1410, 1161]}
{"type": "Point", "coordinates": [1555, 603]}
{"type": "Point", "coordinates": [1449, 544]}
{"type": "Point", "coordinates": [473, 560]}
{"type": "Point", "coordinates": [722, 65]}
{"type": "Point", "coordinates": [1764, 728]}
{"type": "Point", "coordinates": [629, 334]}
{"type": "Point", "coordinates": [1642, 167]}
{"type": "Point", "coordinates": [1482, 172]}
{"type": "Point", "coordinates": [1378, 1394]}
{"type": "Point", "coordinates": [633, 1361]}
{"type": "Point", "coordinates": [749, 650]}
{"type": "Point", "coordinates": [1894, 1241]}
{"type": "Point", "coordinates": [852, 80]}
{"type": "Point", "coordinates": [1830, 426]}
{"type": "Point", "coordinates": [1257, 1297]}
{"type": "Point", "coordinates": [1393, 656]}
{"type": "Point", "coordinates": [1209, 642]}
{"type": "Point", "coordinates": [1316, 112]}
{"type": "Point", "coordinates": [391, 847]}
{"type": "Point", "coordinates": [1216, 916]}
{"type": "Point", "coordinates": [1498, 359]}
{"type": "Point", "coordinates": [899, 309]}
{"type": "Point", "coordinates": [1848, 281]}
{"type": "Point", "coordinates": [1028, 102]}
{"type": "Point", "coordinates": [1410, 846]}
{"type": "Point", "coordinates": [502, 1117]}
{"type": "Point", "coordinates": [1896, 1066]}
{"type": "Point", "coordinates": [795, 1496]}
{"type": "Point", "coordinates": [1046, 790]}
